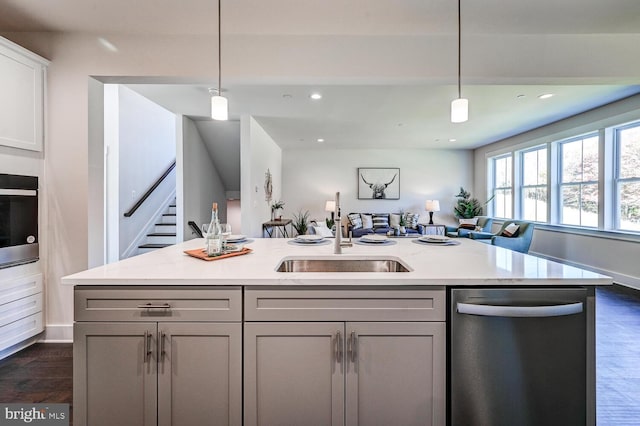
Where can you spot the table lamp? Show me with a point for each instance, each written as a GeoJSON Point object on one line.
{"type": "Point", "coordinates": [432, 206]}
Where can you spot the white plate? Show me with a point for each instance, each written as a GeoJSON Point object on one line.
{"type": "Point", "coordinates": [309, 238]}
{"type": "Point", "coordinates": [235, 238]}
{"type": "Point", "coordinates": [434, 238]}
{"type": "Point", "coordinates": [373, 238]}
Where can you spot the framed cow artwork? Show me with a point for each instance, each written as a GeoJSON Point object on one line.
{"type": "Point", "coordinates": [378, 183]}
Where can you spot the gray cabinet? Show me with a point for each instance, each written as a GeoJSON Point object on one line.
{"type": "Point", "coordinates": [151, 365]}
{"type": "Point", "coordinates": [352, 372]}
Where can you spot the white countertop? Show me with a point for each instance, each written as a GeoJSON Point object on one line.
{"type": "Point", "coordinates": [470, 263]}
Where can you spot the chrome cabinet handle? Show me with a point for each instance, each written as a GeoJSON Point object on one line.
{"type": "Point", "coordinates": [353, 343]}
{"type": "Point", "coordinates": [519, 311]}
{"type": "Point", "coordinates": [154, 306]}
{"type": "Point", "coordinates": [161, 337]}
{"type": "Point", "coordinates": [339, 346]}
{"type": "Point", "coordinates": [147, 346]}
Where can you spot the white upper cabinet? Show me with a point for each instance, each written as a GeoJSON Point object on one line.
{"type": "Point", "coordinates": [22, 83]}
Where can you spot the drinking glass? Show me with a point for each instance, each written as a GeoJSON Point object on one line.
{"type": "Point", "coordinates": [225, 231]}
{"type": "Point", "coordinates": [205, 228]}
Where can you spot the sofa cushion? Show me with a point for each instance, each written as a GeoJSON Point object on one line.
{"type": "Point", "coordinates": [355, 220]}
{"type": "Point", "coordinates": [380, 220]}
{"type": "Point", "coordinates": [511, 230]}
{"type": "Point", "coordinates": [367, 221]}
{"type": "Point", "coordinates": [394, 220]}
{"type": "Point", "coordinates": [411, 220]}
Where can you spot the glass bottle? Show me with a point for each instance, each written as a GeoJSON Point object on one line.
{"type": "Point", "coordinates": [213, 242]}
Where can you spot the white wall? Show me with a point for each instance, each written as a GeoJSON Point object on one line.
{"type": "Point", "coordinates": [258, 152]}
{"type": "Point", "coordinates": [202, 185]}
{"type": "Point", "coordinates": [605, 253]}
{"type": "Point", "coordinates": [310, 178]}
{"type": "Point", "coordinates": [147, 147]}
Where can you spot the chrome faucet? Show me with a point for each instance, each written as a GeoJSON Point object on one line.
{"type": "Point", "coordinates": [338, 244]}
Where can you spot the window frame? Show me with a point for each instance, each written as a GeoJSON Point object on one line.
{"type": "Point", "coordinates": [580, 184]}
{"type": "Point", "coordinates": [495, 188]}
{"type": "Point", "coordinates": [523, 186]}
{"type": "Point", "coordinates": [617, 180]}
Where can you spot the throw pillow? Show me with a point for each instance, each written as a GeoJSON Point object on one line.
{"type": "Point", "coordinates": [473, 221]}
{"type": "Point", "coordinates": [367, 221]}
{"type": "Point", "coordinates": [355, 220]}
{"type": "Point", "coordinates": [510, 230]}
{"type": "Point", "coordinates": [467, 226]}
{"type": "Point", "coordinates": [323, 231]}
{"type": "Point", "coordinates": [394, 220]}
{"type": "Point", "coordinates": [380, 220]}
{"type": "Point", "coordinates": [411, 220]}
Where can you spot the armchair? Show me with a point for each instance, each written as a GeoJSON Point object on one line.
{"type": "Point", "coordinates": [484, 222]}
{"type": "Point", "coordinates": [521, 241]}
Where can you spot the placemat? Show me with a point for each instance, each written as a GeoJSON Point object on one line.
{"type": "Point", "coordinates": [448, 243]}
{"type": "Point", "coordinates": [320, 243]}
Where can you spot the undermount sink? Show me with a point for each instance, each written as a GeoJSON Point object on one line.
{"type": "Point", "coordinates": [341, 265]}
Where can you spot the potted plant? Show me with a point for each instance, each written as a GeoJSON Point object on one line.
{"type": "Point", "coordinates": [277, 205]}
{"type": "Point", "coordinates": [467, 207]}
{"type": "Point", "coordinates": [301, 222]}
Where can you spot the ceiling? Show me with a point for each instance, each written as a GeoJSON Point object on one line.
{"type": "Point", "coordinates": [585, 52]}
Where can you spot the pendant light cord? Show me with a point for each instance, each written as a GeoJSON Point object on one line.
{"type": "Point", "coordinates": [219, 48]}
{"type": "Point", "coordinates": [459, 50]}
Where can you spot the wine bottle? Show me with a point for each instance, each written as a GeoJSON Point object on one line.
{"type": "Point", "coordinates": [213, 242]}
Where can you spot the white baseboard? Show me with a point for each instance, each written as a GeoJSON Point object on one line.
{"type": "Point", "coordinates": [57, 333]}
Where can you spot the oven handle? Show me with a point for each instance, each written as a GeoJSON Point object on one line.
{"type": "Point", "coordinates": [22, 192]}
{"type": "Point", "coordinates": [520, 311]}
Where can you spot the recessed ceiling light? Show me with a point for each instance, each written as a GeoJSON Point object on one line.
{"type": "Point", "coordinates": [315, 96]}
{"type": "Point", "coordinates": [545, 96]}
{"type": "Point", "coordinates": [287, 96]}
{"type": "Point", "coordinates": [452, 140]}
{"type": "Point", "coordinates": [320, 140]}
{"type": "Point", "coordinates": [520, 96]}
{"type": "Point", "coordinates": [436, 140]}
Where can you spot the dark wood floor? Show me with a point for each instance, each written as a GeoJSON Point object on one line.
{"type": "Point", "coordinates": [43, 372]}
{"type": "Point", "coordinates": [39, 373]}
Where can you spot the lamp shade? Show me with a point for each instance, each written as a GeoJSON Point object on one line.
{"type": "Point", "coordinates": [459, 110]}
{"type": "Point", "coordinates": [432, 206]}
{"type": "Point", "coordinates": [219, 108]}
{"type": "Point", "coordinates": [330, 206]}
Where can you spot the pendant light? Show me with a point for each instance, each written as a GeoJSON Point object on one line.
{"type": "Point", "coordinates": [219, 104]}
{"type": "Point", "coordinates": [460, 106]}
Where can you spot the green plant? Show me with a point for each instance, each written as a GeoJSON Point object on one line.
{"type": "Point", "coordinates": [277, 205]}
{"type": "Point", "coordinates": [329, 222]}
{"type": "Point", "coordinates": [467, 207]}
{"type": "Point", "coordinates": [301, 222]}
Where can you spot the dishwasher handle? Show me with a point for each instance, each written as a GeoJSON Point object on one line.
{"type": "Point", "coordinates": [520, 311]}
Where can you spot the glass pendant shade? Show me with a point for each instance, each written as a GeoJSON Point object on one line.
{"type": "Point", "coordinates": [459, 110]}
{"type": "Point", "coordinates": [219, 108]}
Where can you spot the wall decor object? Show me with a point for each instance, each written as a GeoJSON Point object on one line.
{"type": "Point", "coordinates": [378, 183]}
{"type": "Point", "coordinates": [268, 186]}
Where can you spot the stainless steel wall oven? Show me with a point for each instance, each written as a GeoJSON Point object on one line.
{"type": "Point", "coordinates": [18, 220]}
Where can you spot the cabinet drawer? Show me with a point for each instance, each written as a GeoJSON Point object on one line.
{"type": "Point", "coordinates": [137, 303]}
{"type": "Point", "coordinates": [339, 304]}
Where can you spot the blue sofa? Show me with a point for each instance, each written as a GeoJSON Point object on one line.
{"type": "Point", "coordinates": [484, 223]}
{"type": "Point", "coordinates": [418, 229]}
{"type": "Point", "coordinates": [521, 241]}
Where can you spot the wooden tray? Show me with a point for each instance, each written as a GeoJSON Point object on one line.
{"type": "Point", "coordinates": [202, 255]}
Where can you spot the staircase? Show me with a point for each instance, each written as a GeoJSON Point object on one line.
{"type": "Point", "coordinates": [164, 233]}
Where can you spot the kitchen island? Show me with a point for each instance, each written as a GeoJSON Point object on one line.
{"type": "Point", "coordinates": [164, 338]}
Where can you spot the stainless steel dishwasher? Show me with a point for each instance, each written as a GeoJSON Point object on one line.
{"type": "Point", "coordinates": [518, 356]}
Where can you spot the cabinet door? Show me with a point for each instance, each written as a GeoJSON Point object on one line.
{"type": "Point", "coordinates": [294, 374]}
{"type": "Point", "coordinates": [114, 374]}
{"type": "Point", "coordinates": [395, 373]}
{"type": "Point", "coordinates": [22, 100]}
{"type": "Point", "coordinates": [199, 374]}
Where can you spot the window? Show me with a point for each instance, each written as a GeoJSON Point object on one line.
{"type": "Point", "coordinates": [627, 179]}
{"type": "Point", "coordinates": [579, 181]}
{"type": "Point", "coordinates": [502, 187]}
{"type": "Point", "coordinates": [534, 185]}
